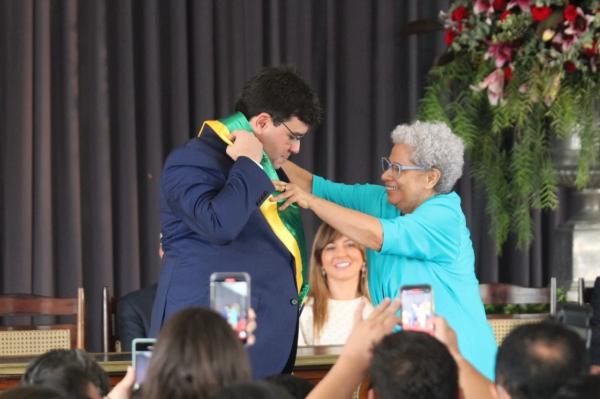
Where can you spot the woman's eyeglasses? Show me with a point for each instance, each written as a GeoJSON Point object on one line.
{"type": "Point", "coordinates": [396, 168]}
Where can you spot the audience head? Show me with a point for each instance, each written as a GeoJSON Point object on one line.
{"type": "Point", "coordinates": [252, 390]}
{"type": "Point", "coordinates": [582, 387]}
{"type": "Point", "coordinates": [32, 392]}
{"type": "Point", "coordinates": [297, 387]}
{"type": "Point", "coordinates": [196, 354]}
{"type": "Point", "coordinates": [535, 360]}
{"type": "Point", "coordinates": [433, 146]}
{"type": "Point", "coordinates": [67, 371]}
{"type": "Point", "coordinates": [281, 93]}
{"type": "Point", "coordinates": [413, 365]}
{"type": "Point", "coordinates": [330, 245]}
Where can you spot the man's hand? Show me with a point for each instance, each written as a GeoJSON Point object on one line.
{"type": "Point", "coordinates": [245, 144]}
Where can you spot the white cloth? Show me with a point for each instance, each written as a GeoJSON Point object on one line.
{"type": "Point", "coordinates": [338, 325]}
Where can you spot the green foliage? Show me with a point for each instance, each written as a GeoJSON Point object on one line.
{"type": "Point", "coordinates": [509, 144]}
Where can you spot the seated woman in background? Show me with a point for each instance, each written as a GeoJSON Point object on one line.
{"type": "Point", "coordinates": [338, 280]}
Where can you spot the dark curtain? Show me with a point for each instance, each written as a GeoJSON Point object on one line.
{"type": "Point", "coordinates": [95, 94]}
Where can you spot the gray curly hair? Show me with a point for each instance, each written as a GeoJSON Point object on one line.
{"type": "Point", "coordinates": [434, 146]}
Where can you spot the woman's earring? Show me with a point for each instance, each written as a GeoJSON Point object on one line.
{"type": "Point", "coordinates": [323, 273]}
{"type": "Point", "coordinates": [363, 270]}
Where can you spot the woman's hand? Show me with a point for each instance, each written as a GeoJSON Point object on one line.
{"type": "Point", "coordinates": [124, 388]}
{"type": "Point", "coordinates": [251, 327]}
{"type": "Point", "coordinates": [291, 193]}
{"type": "Point", "coordinates": [366, 333]}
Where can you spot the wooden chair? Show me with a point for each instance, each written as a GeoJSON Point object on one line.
{"type": "Point", "coordinates": [34, 339]}
{"type": "Point", "coordinates": [504, 294]}
{"type": "Point", "coordinates": [110, 341]}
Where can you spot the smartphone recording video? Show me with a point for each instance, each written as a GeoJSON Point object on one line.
{"type": "Point", "coordinates": [230, 296]}
{"type": "Point", "coordinates": [417, 308]}
{"type": "Point", "coordinates": [141, 352]}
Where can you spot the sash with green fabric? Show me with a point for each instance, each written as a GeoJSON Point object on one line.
{"type": "Point", "coordinates": [287, 224]}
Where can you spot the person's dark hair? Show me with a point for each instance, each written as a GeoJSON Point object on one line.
{"type": "Point", "coordinates": [281, 93]}
{"type": "Point", "coordinates": [413, 365]}
{"type": "Point", "coordinates": [58, 365]}
{"type": "Point", "coordinates": [196, 354]}
{"type": "Point", "coordinates": [32, 392]}
{"type": "Point", "coordinates": [298, 387]}
{"type": "Point", "coordinates": [582, 387]}
{"type": "Point", "coordinates": [253, 390]}
{"type": "Point", "coordinates": [535, 360]}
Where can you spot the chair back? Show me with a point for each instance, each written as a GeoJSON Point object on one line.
{"type": "Point", "coordinates": [34, 339]}
{"type": "Point", "coordinates": [504, 294]}
{"type": "Point", "coordinates": [110, 341]}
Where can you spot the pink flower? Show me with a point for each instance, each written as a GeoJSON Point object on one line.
{"type": "Point", "coordinates": [524, 5]}
{"type": "Point", "coordinates": [577, 22]}
{"type": "Point", "coordinates": [501, 54]}
{"type": "Point", "coordinates": [494, 83]}
{"type": "Point", "coordinates": [564, 41]}
{"type": "Point", "coordinates": [482, 6]}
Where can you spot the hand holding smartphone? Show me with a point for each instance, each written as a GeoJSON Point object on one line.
{"type": "Point", "coordinates": [230, 297]}
{"type": "Point", "coordinates": [141, 352]}
{"type": "Point", "coordinates": [417, 308]}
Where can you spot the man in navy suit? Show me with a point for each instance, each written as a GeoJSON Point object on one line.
{"type": "Point", "coordinates": [217, 216]}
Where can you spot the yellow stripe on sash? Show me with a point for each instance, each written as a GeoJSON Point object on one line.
{"type": "Point", "coordinates": [268, 209]}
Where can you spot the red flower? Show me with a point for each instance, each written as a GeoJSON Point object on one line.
{"type": "Point", "coordinates": [507, 73]}
{"type": "Point", "coordinates": [504, 15]}
{"type": "Point", "coordinates": [540, 13]}
{"type": "Point", "coordinates": [570, 67]}
{"type": "Point", "coordinates": [449, 36]}
{"type": "Point", "coordinates": [570, 13]}
{"type": "Point", "coordinates": [499, 5]}
{"type": "Point", "coordinates": [460, 13]}
{"type": "Point", "coordinates": [590, 51]}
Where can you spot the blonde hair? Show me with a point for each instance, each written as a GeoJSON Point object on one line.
{"type": "Point", "coordinates": [319, 291]}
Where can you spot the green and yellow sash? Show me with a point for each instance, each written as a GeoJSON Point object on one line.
{"type": "Point", "coordinates": [287, 224]}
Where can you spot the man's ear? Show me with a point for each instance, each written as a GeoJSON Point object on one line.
{"type": "Point", "coordinates": [371, 394]}
{"type": "Point", "coordinates": [260, 123]}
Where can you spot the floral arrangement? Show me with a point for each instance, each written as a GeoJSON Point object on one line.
{"type": "Point", "coordinates": [517, 75]}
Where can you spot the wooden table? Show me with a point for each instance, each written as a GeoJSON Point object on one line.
{"type": "Point", "coordinates": [312, 363]}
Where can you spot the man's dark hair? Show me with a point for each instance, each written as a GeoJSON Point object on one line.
{"type": "Point", "coordinates": [298, 387]}
{"type": "Point", "coordinates": [281, 93]}
{"type": "Point", "coordinates": [252, 390]}
{"type": "Point", "coordinates": [582, 387]}
{"type": "Point", "coordinates": [57, 366]}
{"type": "Point", "coordinates": [535, 360]}
{"type": "Point", "coordinates": [413, 365]}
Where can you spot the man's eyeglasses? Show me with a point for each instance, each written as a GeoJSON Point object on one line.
{"type": "Point", "coordinates": [294, 137]}
{"type": "Point", "coordinates": [396, 168]}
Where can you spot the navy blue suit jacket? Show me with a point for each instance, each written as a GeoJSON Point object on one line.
{"type": "Point", "coordinates": [211, 222]}
{"type": "Point", "coordinates": [133, 315]}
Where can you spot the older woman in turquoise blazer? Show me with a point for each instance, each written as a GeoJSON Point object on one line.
{"type": "Point", "coordinates": [413, 227]}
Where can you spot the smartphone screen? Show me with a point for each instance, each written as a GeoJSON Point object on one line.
{"type": "Point", "coordinates": [141, 352]}
{"type": "Point", "coordinates": [417, 308]}
{"type": "Point", "coordinates": [230, 296]}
